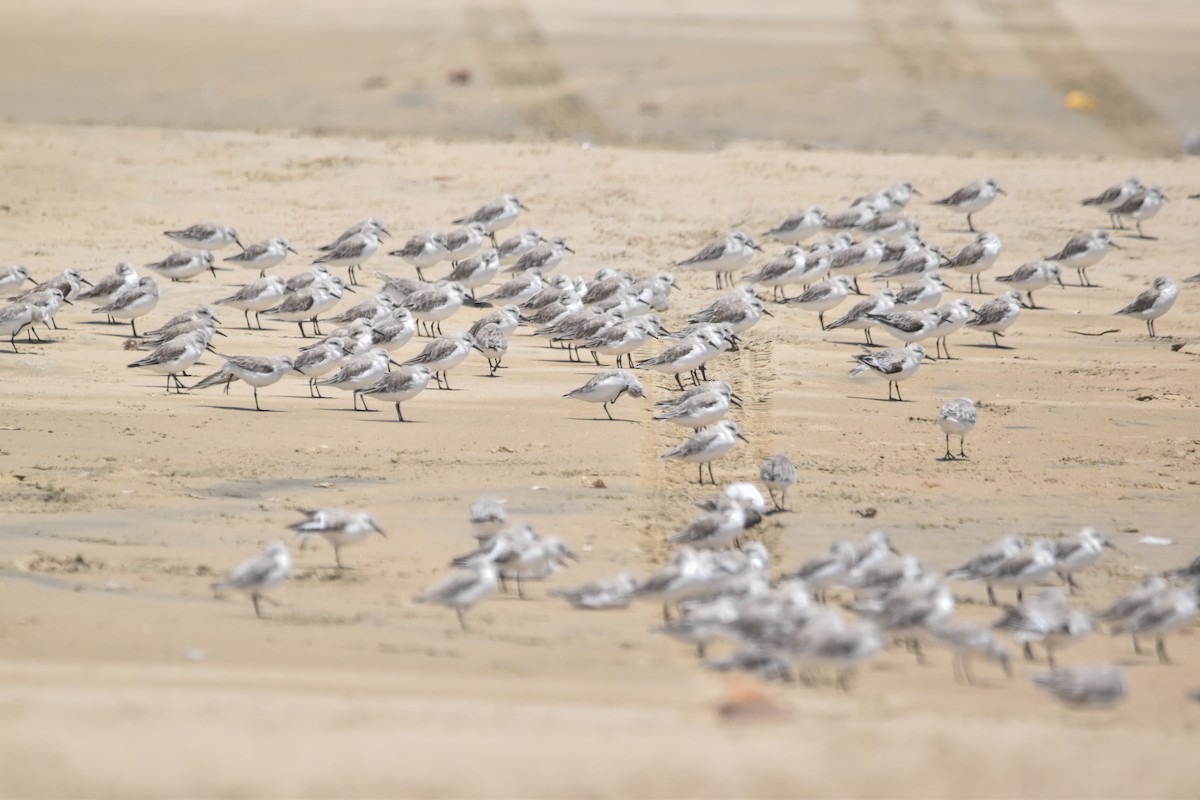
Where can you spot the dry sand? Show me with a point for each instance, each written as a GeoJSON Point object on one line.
{"type": "Point", "coordinates": [122, 502]}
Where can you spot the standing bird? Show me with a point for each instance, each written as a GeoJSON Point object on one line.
{"type": "Point", "coordinates": [545, 256]}
{"type": "Point", "coordinates": [1032, 276]}
{"type": "Point", "coordinates": [1114, 197]}
{"type": "Point", "coordinates": [305, 305]}
{"type": "Point", "coordinates": [1084, 687]}
{"type": "Point", "coordinates": [263, 255]}
{"type": "Point", "coordinates": [778, 473]}
{"type": "Point", "coordinates": [133, 303]}
{"type": "Point", "coordinates": [605, 387]}
{"type": "Point", "coordinates": [984, 564]}
{"type": "Point", "coordinates": [1143, 205]}
{"type": "Point", "coordinates": [799, 226]}
{"type": "Point", "coordinates": [780, 271]}
{"type": "Point", "coordinates": [822, 296]}
{"type": "Point", "coordinates": [1074, 553]}
{"type": "Point", "coordinates": [258, 371]}
{"type": "Point", "coordinates": [514, 247]}
{"type": "Point", "coordinates": [493, 343]}
{"type": "Point", "coordinates": [462, 589]}
{"type": "Point", "coordinates": [997, 314]}
{"type": "Point", "coordinates": [256, 296]}
{"type": "Point", "coordinates": [399, 385]}
{"type": "Point", "coordinates": [184, 264]}
{"type": "Point", "coordinates": [175, 355]}
{"type": "Point", "coordinates": [205, 236]}
{"type": "Point", "coordinates": [12, 276]}
{"type": "Point", "coordinates": [444, 354]}
{"type": "Point", "coordinates": [707, 446]}
{"type": "Point", "coordinates": [948, 319]}
{"type": "Point", "coordinates": [339, 528]}
{"type": "Point", "coordinates": [352, 253]}
{"type": "Point", "coordinates": [370, 224]}
{"type": "Point", "coordinates": [259, 574]}
{"type": "Point", "coordinates": [107, 289]}
{"type": "Point", "coordinates": [476, 271]}
{"type": "Point", "coordinates": [858, 316]}
{"type": "Point", "coordinates": [1153, 303]}
{"type": "Point", "coordinates": [975, 258]}
{"type": "Point", "coordinates": [893, 364]}
{"type": "Point", "coordinates": [422, 250]}
{"type": "Point", "coordinates": [461, 243]}
{"type": "Point", "coordinates": [957, 417]}
{"type": "Point", "coordinates": [499, 213]}
{"type": "Point", "coordinates": [1084, 250]}
{"type": "Point", "coordinates": [723, 256]}
{"type": "Point", "coordinates": [972, 198]}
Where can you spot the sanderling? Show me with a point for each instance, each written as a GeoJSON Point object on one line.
{"type": "Point", "coordinates": [707, 446]}
{"type": "Point", "coordinates": [259, 573]}
{"type": "Point", "coordinates": [305, 305]}
{"type": "Point", "coordinates": [972, 198]}
{"type": "Point", "coordinates": [1114, 197]}
{"type": "Point", "coordinates": [606, 284]}
{"type": "Point", "coordinates": [897, 195]}
{"type": "Point", "coordinates": [12, 276]}
{"type": "Point", "coordinates": [1045, 618]}
{"type": "Point", "coordinates": [357, 337]}
{"type": "Point", "coordinates": [614, 592]}
{"type": "Point", "coordinates": [463, 242]}
{"type": "Point", "coordinates": [890, 223]}
{"type": "Point", "coordinates": [536, 560]}
{"type": "Point", "coordinates": [319, 360]}
{"type": "Point", "coordinates": [1168, 610]}
{"type": "Point", "coordinates": [46, 305]}
{"type": "Point", "coordinates": [359, 372]}
{"type": "Point", "coordinates": [858, 317]}
{"type": "Point", "coordinates": [370, 224]}
{"type": "Point", "coordinates": [778, 473]}
{"type": "Point", "coordinates": [444, 354]}
{"type": "Point", "coordinates": [106, 290]}
{"type": "Point", "coordinates": [858, 259]}
{"type": "Point", "coordinates": [369, 311]}
{"type": "Point", "coordinates": [258, 371]}
{"type": "Point", "coordinates": [487, 516]}
{"type": "Point", "coordinates": [1032, 276]}
{"type": "Point", "coordinates": [1153, 303]}
{"type": "Point", "coordinates": [1084, 250]}
{"type": "Point", "coordinates": [842, 648]}
{"type": "Point", "coordinates": [822, 296]}
{"type": "Point", "coordinates": [1141, 206]}
{"type": "Point", "coordinates": [974, 258]}
{"type": "Point", "coordinates": [909, 607]}
{"type": "Point", "coordinates": [500, 213]}
{"type": "Point", "coordinates": [907, 326]}
{"type": "Point", "coordinates": [545, 256]}
{"type": "Point", "coordinates": [700, 408]}
{"type": "Point", "coordinates": [422, 250]}
{"type": "Point", "coordinates": [133, 303]}
{"type": "Point", "coordinates": [201, 313]}
{"type": "Point", "coordinates": [1074, 553]}
{"type": "Point", "coordinates": [152, 339]}
{"type": "Point", "coordinates": [918, 263]}
{"type": "Point", "coordinates": [508, 318]}
{"type": "Point", "coordinates": [997, 314]}
{"type": "Point", "coordinates": [514, 247]}
{"type": "Point", "coordinates": [780, 271]}
{"type": "Point", "coordinates": [605, 387]}
{"type": "Point", "coordinates": [957, 418]}
{"type": "Point", "coordinates": [302, 280]}
{"type": "Point", "coordinates": [69, 282]}
{"type": "Point", "coordinates": [338, 527]}
{"type": "Point", "coordinates": [263, 255]}
{"type": "Point", "coordinates": [399, 385]}
{"type": "Point", "coordinates": [752, 502]}
{"type": "Point", "coordinates": [798, 226]}
{"type": "Point", "coordinates": [623, 338]}
{"type": "Point", "coordinates": [1134, 602]}
{"type": "Point", "coordinates": [714, 529]}
{"type": "Point", "coordinates": [352, 253]}
{"type": "Point", "coordinates": [687, 355]}
{"type": "Point", "coordinates": [462, 589]}
{"type": "Point", "coordinates": [256, 296]}
{"type": "Point", "coordinates": [968, 639]}
{"type": "Point", "coordinates": [205, 236]}
{"type": "Point", "coordinates": [686, 396]}
{"type": "Point", "coordinates": [893, 364]}
{"type": "Point", "coordinates": [1084, 687]}
{"type": "Point", "coordinates": [174, 357]}
{"type": "Point", "coordinates": [740, 310]}
{"type": "Point", "coordinates": [472, 273]}
{"type": "Point", "coordinates": [184, 264]}
{"type": "Point", "coordinates": [723, 256]}
{"type": "Point", "coordinates": [1024, 567]}
{"type": "Point", "coordinates": [852, 217]}
{"type": "Point", "coordinates": [14, 317]}
{"type": "Point", "coordinates": [947, 319]}
{"type": "Point", "coordinates": [493, 343]}
{"type": "Point", "coordinates": [921, 294]}
{"type": "Point", "coordinates": [517, 289]}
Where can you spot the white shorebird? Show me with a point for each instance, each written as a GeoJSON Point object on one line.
{"type": "Point", "coordinates": [45, 305]}
{"type": "Point", "coordinates": [1045, 618]}
{"type": "Point", "coordinates": [822, 296]}
{"type": "Point", "coordinates": [799, 226]}
{"type": "Point", "coordinates": [857, 259]}
{"type": "Point", "coordinates": [394, 331]}
{"type": "Point", "coordinates": [983, 565]}
{"type": "Point", "coordinates": [258, 371]}
{"type": "Point", "coordinates": [699, 407]}
{"type": "Point", "coordinates": [205, 236]}
{"type": "Point", "coordinates": [723, 256]}
{"type": "Point", "coordinates": [894, 364]}
{"type": "Point", "coordinates": [369, 311]}
{"type": "Point", "coordinates": [493, 343]}
{"type": "Point", "coordinates": [263, 255]}
{"type": "Point", "coordinates": [319, 360]}
{"type": "Point", "coordinates": [257, 575]}
{"type": "Point", "coordinates": [256, 296]}
{"type": "Point", "coordinates": [312, 275]}
{"type": "Point", "coordinates": [707, 446]}
{"type": "Point", "coordinates": [686, 355]}
{"type": "Point", "coordinates": [623, 338]}
{"type": "Point", "coordinates": [337, 527]}
{"type": "Point", "coordinates": [305, 305]}
{"type": "Point", "coordinates": [442, 355]}
{"type": "Point", "coordinates": [1153, 303]}
{"type": "Point", "coordinates": [422, 250]}
{"type": "Point", "coordinates": [516, 246]}
{"type": "Point", "coordinates": [487, 516]}
{"type": "Point", "coordinates": [969, 639]}
{"type": "Point", "coordinates": [713, 530]}
{"type": "Point", "coordinates": [431, 305]}
{"type": "Point", "coordinates": [1024, 567]}
{"type": "Point", "coordinates": [1114, 197]}
{"type": "Point", "coordinates": [500, 213]}
{"type": "Point", "coordinates": [359, 372]}
{"type": "Point", "coordinates": [15, 317]}
{"type": "Point", "coordinates": [996, 315]}
{"type": "Point", "coordinates": [352, 253]}
{"type": "Point", "coordinates": [780, 271]}
{"type": "Point", "coordinates": [184, 264]}
{"type": "Point", "coordinates": [1142, 206]}
{"type": "Point", "coordinates": [370, 224]}
{"type": "Point", "coordinates": [70, 282]}
{"type": "Point", "coordinates": [106, 290]}
{"type": "Point", "coordinates": [956, 418]}
{"type": "Point", "coordinates": [547, 255]}
{"type": "Point", "coordinates": [921, 294]}
{"type": "Point", "coordinates": [1169, 610]}
{"type": "Point", "coordinates": [133, 302]}
{"type": "Point", "coordinates": [1078, 552]}
{"type": "Point", "coordinates": [398, 386]}
{"type": "Point", "coordinates": [605, 593]}
{"type": "Point", "coordinates": [974, 258]}
{"type": "Point", "coordinates": [972, 198]}
{"type": "Point", "coordinates": [174, 356]}
{"type": "Point", "coordinates": [12, 276]}
{"type": "Point", "coordinates": [858, 316]}
{"type": "Point", "coordinates": [605, 387]}
{"type": "Point", "coordinates": [1031, 276]}
{"type": "Point", "coordinates": [778, 473]}
{"type": "Point", "coordinates": [475, 272]}
{"type": "Point", "coordinates": [463, 242]}
{"type": "Point", "coordinates": [948, 319]}
{"type": "Point", "coordinates": [462, 589]}
{"type": "Point", "coordinates": [1084, 250]}
{"type": "Point", "coordinates": [517, 290]}
{"type": "Point", "coordinates": [1084, 687]}
{"type": "Point", "coordinates": [907, 326]}
{"type": "Point", "coordinates": [1133, 602]}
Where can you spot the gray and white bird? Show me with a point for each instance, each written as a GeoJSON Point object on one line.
{"type": "Point", "coordinates": [1114, 197]}
{"type": "Point", "coordinates": [1033, 275]}
{"type": "Point", "coordinates": [108, 288]}
{"type": "Point", "coordinates": [605, 387]}
{"type": "Point", "coordinates": [487, 517]}
{"type": "Point", "coordinates": [493, 343]}
{"type": "Point", "coordinates": [974, 258]}
{"type": "Point", "coordinates": [352, 252]}
{"type": "Point", "coordinates": [948, 319]}
{"type": "Point", "coordinates": [780, 271]}
{"type": "Point", "coordinates": [1170, 610]}
{"type": "Point", "coordinates": [13, 276]}
{"type": "Point", "coordinates": [516, 246]}
{"type": "Point", "coordinates": [257, 575]}
{"type": "Point", "coordinates": [305, 305]}
{"type": "Point", "coordinates": [799, 226]}
{"type": "Point", "coordinates": [398, 386]}
{"type": "Point", "coordinates": [258, 371]}
{"type": "Point", "coordinates": [957, 418]}
{"type": "Point", "coordinates": [1045, 619]}
{"type": "Point", "coordinates": [698, 407]}
{"type": "Point", "coordinates": [859, 317]}
{"type": "Point", "coordinates": [205, 236]}
{"type": "Point", "coordinates": [1142, 206]}
{"type": "Point", "coordinates": [984, 564]}
{"type": "Point", "coordinates": [1025, 567]}
{"type": "Point", "coordinates": [857, 259]}
{"type": "Point", "coordinates": [133, 302]}
{"type": "Point", "coordinates": [443, 354]}
{"type": "Point", "coordinates": [1153, 303]}
{"type": "Point", "coordinates": [338, 527]}
{"type": "Point", "coordinates": [256, 296]}
{"type": "Point", "coordinates": [319, 360]}
{"type": "Point", "coordinates": [822, 296]}
{"type": "Point", "coordinates": [997, 315]}
{"type": "Point", "coordinates": [778, 473]}
{"type": "Point", "coordinates": [713, 530]}
{"type": "Point", "coordinates": [184, 264]}
{"type": "Point", "coordinates": [907, 326]}
{"type": "Point", "coordinates": [707, 446]}
{"type": "Point", "coordinates": [1084, 687]}
{"type": "Point", "coordinates": [463, 242]}
{"type": "Point", "coordinates": [605, 593]}
{"type": "Point", "coordinates": [422, 250]}
{"type": "Point", "coordinates": [174, 356]}
{"type": "Point", "coordinates": [500, 213]}
{"type": "Point", "coordinates": [972, 198]}
{"type": "Point", "coordinates": [462, 589]}
{"type": "Point", "coordinates": [968, 639]}
{"type": "Point", "coordinates": [475, 272]}
{"type": "Point", "coordinates": [359, 372]}
{"type": "Point", "coordinates": [723, 256]}
{"type": "Point", "coordinates": [1084, 250]}
{"type": "Point", "coordinates": [1078, 552]}
{"type": "Point", "coordinates": [547, 255]}
{"type": "Point", "coordinates": [894, 364]}
{"type": "Point", "coordinates": [370, 224]}
{"type": "Point", "coordinates": [15, 317]}
{"type": "Point", "coordinates": [921, 294]}
{"type": "Point", "coordinates": [262, 255]}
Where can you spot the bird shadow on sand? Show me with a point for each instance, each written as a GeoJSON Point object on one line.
{"type": "Point", "coordinates": [251, 409]}
{"type": "Point", "coordinates": [988, 346]}
{"type": "Point", "coordinates": [852, 344]}
{"type": "Point", "coordinates": [601, 419]}
{"type": "Point", "coordinates": [877, 399]}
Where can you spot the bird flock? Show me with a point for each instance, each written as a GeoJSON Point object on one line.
{"type": "Point", "coordinates": [835, 611]}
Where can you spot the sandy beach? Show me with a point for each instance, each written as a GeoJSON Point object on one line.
{"type": "Point", "coordinates": [121, 675]}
